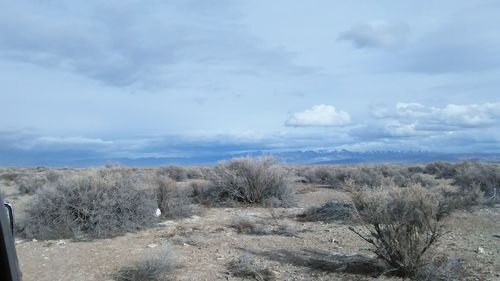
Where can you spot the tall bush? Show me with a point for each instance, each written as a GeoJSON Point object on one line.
{"type": "Point", "coordinates": [402, 224]}
{"type": "Point", "coordinates": [250, 180]}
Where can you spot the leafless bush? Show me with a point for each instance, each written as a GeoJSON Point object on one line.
{"type": "Point", "coordinates": [52, 175]}
{"type": "Point", "coordinates": [468, 176]}
{"type": "Point", "coordinates": [153, 268]}
{"type": "Point", "coordinates": [9, 175]}
{"type": "Point", "coordinates": [443, 268]}
{"type": "Point", "coordinates": [174, 172]}
{"type": "Point", "coordinates": [29, 183]}
{"type": "Point", "coordinates": [245, 266]}
{"type": "Point", "coordinates": [402, 224]}
{"type": "Point", "coordinates": [194, 173]}
{"type": "Point", "coordinates": [199, 191]}
{"type": "Point", "coordinates": [248, 225]}
{"type": "Point", "coordinates": [331, 211]}
{"type": "Point", "coordinates": [96, 204]}
{"type": "Point", "coordinates": [249, 180]}
{"type": "Point", "coordinates": [172, 201]}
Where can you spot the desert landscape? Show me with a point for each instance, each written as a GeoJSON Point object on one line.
{"type": "Point", "coordinates": [258, 219]}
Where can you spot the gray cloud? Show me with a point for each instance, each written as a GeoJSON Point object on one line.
{"type": "Point", "coordinates": [121, 43]}
{"type": "Point", "coordinates": [377, 34]}
{"type": "Point", "coordinates": [466, 42]}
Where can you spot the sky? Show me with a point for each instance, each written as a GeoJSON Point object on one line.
{"type": "Point", "coordinates": [155, 78]}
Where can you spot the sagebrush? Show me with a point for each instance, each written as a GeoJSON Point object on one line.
{"type": "Point", "coordinates": [401, 224]}
{"type": "Point", "coordinates": [249, 180]}
{"type": "Point", "coordinates": [96, 204]}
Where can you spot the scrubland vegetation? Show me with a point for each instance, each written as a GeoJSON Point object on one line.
{"type": "Point", "coordinates": [399, 212]}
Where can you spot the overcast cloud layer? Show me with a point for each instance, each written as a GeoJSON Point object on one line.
{"type": "Point", "coordinates": [135, 79]}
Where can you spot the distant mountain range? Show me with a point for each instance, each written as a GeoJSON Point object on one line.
{"type": "Point", "coordinates": [292, 157]}
{"type": "Point", "coordinates": [298, 157]}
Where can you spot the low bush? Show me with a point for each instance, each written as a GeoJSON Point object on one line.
{"type": "Point", "coordinates": [245, 267]}
{"type": "Point", "coordinates": [172, 201]}
{"type": "Point", "coordinates": [329, 212]}
{"type": "Point", "coordinates": [174, 172]}
{"type": "Point", "coordinates": [444, 268]}
{"type": "Point", "coordinates": [194, 173]}
{"type": "Point", "coordinates": [248, 225]}
{"type": "Point", "coordinates": [156, 267]}
{"type": "Point", "coordinates": [249, 180]}
{"type": "Point", "coordinates": [402, 224]}
{"type": "Point", "coordinates": [96, 204]}
{"type": "Point", "coordinates": [30, 183]}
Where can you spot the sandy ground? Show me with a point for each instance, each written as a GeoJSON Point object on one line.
{"type": "Point", "coordinates": [205, 244]}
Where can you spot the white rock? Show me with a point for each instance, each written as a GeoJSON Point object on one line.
{"type": "Point", "coordinates": [34, 240]}
{"type": "Point", "coordinates": [480, 250]}
{"type": "Point", "coordinates": [61, 242]}
{"type": "Point", "coordinates": [152, 245]}
{"type": "Point", "coordinates": [157, 213]}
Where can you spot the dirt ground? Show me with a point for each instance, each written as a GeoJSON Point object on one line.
{"type": "Point", "coordinates": [205, 244]}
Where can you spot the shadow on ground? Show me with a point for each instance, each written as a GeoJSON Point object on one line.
{"type": "Point", "coordinates": [326, 261]}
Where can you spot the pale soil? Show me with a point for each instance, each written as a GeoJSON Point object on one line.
{"type": "Point", "coordinates": [205, 244]}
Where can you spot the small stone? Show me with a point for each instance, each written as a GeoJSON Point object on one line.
{"type": "Point", "coordinates": [166, 223]}
{"type": "Point", "coordinates": [480, 250]}
{"type": "Point", "coordinates": [34, 240]}
{"type": "Point", "coordinates": [194, 218]}
{"type": "Point", "coordinates": [61, 242]}
{"type": "Point", "coordinates": [153, 245]}
{"type": "Point", "coordinates": [19, 241]}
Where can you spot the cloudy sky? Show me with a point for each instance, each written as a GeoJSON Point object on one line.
{"type": "Point", "coordinates": [169, 78]}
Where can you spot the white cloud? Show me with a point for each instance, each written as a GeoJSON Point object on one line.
{"type": "Point", "coordinates": [451, 116]}
{"type": "Point", "coordinates": [377, 34]}
{"type": "Point", "coordinates": [319, 116]}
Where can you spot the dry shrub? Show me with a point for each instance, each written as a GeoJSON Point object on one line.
{"type": "Point", "coordinates": [469, 176]}
{"type": "Point", "coordinates": [200, 192]}
{"type": "Point", "coordinates": [97, 203]}
{"type": "Point", "coordinates": [9, 175]}
{"type": "Point", "coordinates": [245, 266]}
{"type": "Point", "coordinates": [172, 201]}
{"type": "Point", "coordinates": [329, 212]}
{"type": "Point", "coordinates": [153, 268]}
{"type": "Point", "coordinates": [30, 183]}
{"type": "Point", "coordinates": [402, 223]}
{"type": "Point", "coordinates": [443, 268]}
{"type": "Point", "coordinates": [174, 172]}
{"type": "Point", "coordinates": [249, 180]}
{"type": "Point", "coordinates": [194, 173]}
{"type": "Point", "coordinates": [248, 225]}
